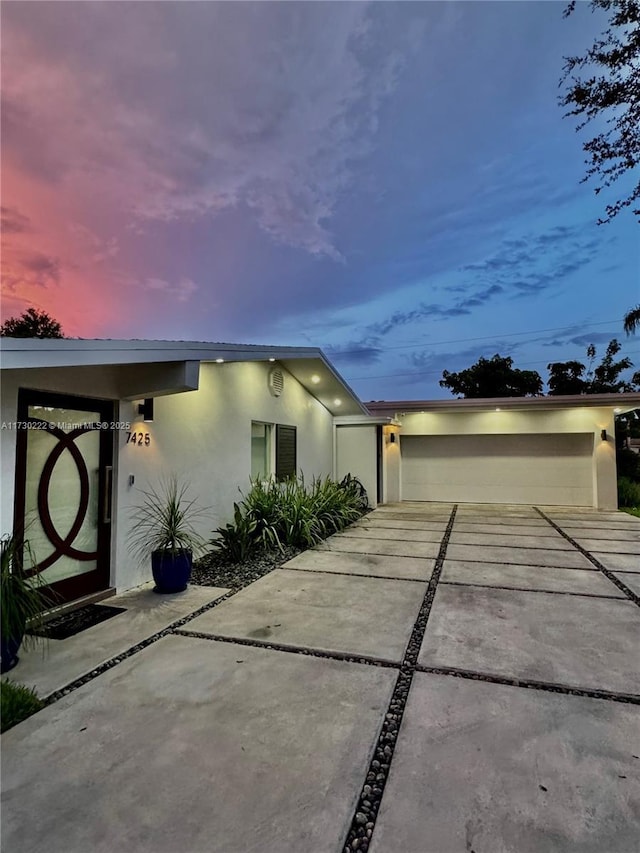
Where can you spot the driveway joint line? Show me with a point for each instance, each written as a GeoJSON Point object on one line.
{"type": "Point", "coordinates": [361, 574]}
{"type": "Point", "coordinates": [629, 593]}
{"type": "Point", "coordinates": [344, 657]}
{"type": "Point", "coordinates": [364, 818]}
{"type": "Point", "coordinates": [133, 650]}
{"type": "Point", "coordinates": [533, 564]}
{"type": "Point", "coordinates": [528, 589]}
{"type": "Point", "coordinates": [530, 684]}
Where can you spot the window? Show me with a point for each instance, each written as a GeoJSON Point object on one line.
{"type": "Point", "coordinates": [260, 450]}
{"type": "Point", "coordinates": [286, 462]}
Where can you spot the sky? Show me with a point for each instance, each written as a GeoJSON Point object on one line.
{"type": "Point", "coordinates": [392, 182]}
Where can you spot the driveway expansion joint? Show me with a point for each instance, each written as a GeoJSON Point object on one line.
{"type": "Point", "coordinates": [529, 589]}
{"type": "Point", "coordinates": [133, 650]}
{"type": "Point", "coordinates": [529, 684]}
{"type": "Point", "coordinates": [359, 574]}
{"type": "Point", "coordinates": [280, 647]}
{"type": "Point", "coordinates": [364, 818]}
{"type": "Point", "coordinates": [629, 593]}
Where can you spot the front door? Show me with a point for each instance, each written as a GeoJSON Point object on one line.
{"type": "Point", "coordinates": [63, 489]}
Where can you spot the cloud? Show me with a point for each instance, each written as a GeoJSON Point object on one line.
{"type": "Point", "coordinates": [13, 222]}
{"type": "Point", "coordinates": [203, 108]}
{"type": "Point", "coordinates": [182, 290]}
{"type": "Point", "coordinates": [356, 352]}
{"type": "Point", "coordinates": [536, 262]}
{"type": "Point", "coordinates": [459, 308]}
{"type": "Point", "coordinates": [28, 267]}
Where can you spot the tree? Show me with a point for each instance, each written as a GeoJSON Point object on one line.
{"type": "Point", "coordinates": [604, 84]}
{"type": "Point", "coordinates": [565, 377]}
{"type": "Point", "coordinates": [632, 320]}
{"type": "Point", "coordinates": [606, 377]}
{"type": "Point", "coordinates": [494, 377]}
{"type": "Point", "coordinates": [31, 324]}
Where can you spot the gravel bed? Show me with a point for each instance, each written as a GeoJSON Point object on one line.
{"type": "Point", "coordinates": [214, 569]}
{"type": "Point", "coordinates": [364, 820]}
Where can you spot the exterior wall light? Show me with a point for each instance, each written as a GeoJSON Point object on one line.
{"type": "Point", "coordinates": [603, 435]}
{"type": "Point", "coordinates": [146, 409]}
{"type": "Point", "coordinates": [392, 438]}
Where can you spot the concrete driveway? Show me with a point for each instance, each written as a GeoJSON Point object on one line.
{"type": "Point", "coordinates": [436, 679]}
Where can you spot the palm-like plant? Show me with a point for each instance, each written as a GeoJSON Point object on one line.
{"type": "Point", "coordinates": [25, 597]}
{"type": "Point", "coordinates": [632, 320]}
{"type": "Point", "coordinates": [166, 521]}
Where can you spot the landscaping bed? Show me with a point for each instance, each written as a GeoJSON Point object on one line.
{"type": "Point", "coordinates": [215, 569]}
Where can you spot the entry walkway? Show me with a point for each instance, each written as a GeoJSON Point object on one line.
{"type": "Point", "coordinates": [435, 679]}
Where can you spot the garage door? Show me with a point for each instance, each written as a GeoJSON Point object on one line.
{"type": "Point", "coordinates": [520, 469]}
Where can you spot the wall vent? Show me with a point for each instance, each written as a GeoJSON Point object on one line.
{"type": "Point", "coordinates": [276, 381]}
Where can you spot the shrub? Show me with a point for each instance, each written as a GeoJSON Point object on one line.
{"type": "Point", "coordinates": [237, 540]}
{"type": "Point", "coordinates": [290, 513]}
{"type": "Point", "coordinates": [628, 464]}
{"type": "Point", "coordinates": [17, 702]}
{"type": "Point", "coordinates": [628, 493]}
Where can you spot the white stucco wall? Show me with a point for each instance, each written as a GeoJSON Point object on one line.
{"type": "Point", "coordinates": [356, 455]}
{"type": "Point", "coordinates": [203, 435]}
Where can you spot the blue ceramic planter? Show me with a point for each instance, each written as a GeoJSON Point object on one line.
{"type": "Point", "coordinates": [171, 572]}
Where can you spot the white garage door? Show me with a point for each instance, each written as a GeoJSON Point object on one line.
{"type": "Point", "coordinates": [519, 469]}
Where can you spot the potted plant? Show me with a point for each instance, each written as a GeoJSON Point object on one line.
{"type": "Point", "coordinates": [24, 599]}
{"type": "Point", "coordinates": [164, 529]}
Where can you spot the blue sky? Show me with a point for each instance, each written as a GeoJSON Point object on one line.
{"type": "Point", "coordinates": [393, 182]}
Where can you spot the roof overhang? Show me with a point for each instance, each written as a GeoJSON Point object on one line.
{"type": "Point", "coordinates": [620, 403]}
{"type": "Point", "coordinates": [308, 365]}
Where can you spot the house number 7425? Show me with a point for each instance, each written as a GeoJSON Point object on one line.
{"type": "Point", "coordinates": [139, 438]}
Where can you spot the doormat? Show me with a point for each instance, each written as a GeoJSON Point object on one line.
{"type": "Point", "coordinates": [76, 621]}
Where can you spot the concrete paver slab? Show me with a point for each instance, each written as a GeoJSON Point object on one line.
{"type": "Point", "coordinates": [610, 546]}
{"type": "Point", "coordinates": [560, 639]}
{"type": "Point", "coordinates": [358, 616]}
{"type": "Point", "coordinates": [496, 511]}
{"type": "Point", "coordinates": [375, 521]}
{"type": "Point", "coordinates": [618, 562]}
{"type": "Point", "coordinates": [441, 518]}
{"type": "Point", "coordinates": [618, 534]}
{"type": "Point", "coordinates": [394, 534]}
{"type": "Point", "coordinates": [147, 613]}
{"type": "Point", "coordinates": [486, 768]}
{"type": "Point", "coordinates": [363, 545]}
{"type": "Point", "coordinates": [526, 556]}
{"type": "Point", "coordinates": [502, 520]}
{"type": "Point", "coordinates": [509, 541]}
{"type": "Point", "coordinates": [530, 577]}
{"type": "Point", "coordinates": [598, 519]}
{"type": "Point", "coordinates": [425, 507]}
{"type": "Point", "coordinates": [196, 746]}
{"type": "Point", "coordinates": [505, 529]}
{"type": "Point", "coordinates": [631, 579]}
{"type": "Point", "coordinates": [404, 568]}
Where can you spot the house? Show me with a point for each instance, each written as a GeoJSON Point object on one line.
{"type": "Point", "coordinates": [86, 424]}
